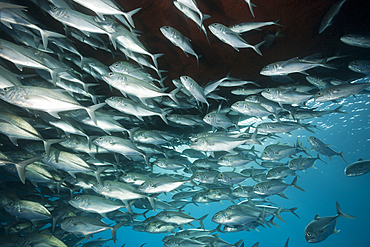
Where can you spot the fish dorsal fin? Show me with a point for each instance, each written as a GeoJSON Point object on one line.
{"type": "Point", "coordinates": [288, 61]}
{"type": "Point", "coordinates": [317, 217]}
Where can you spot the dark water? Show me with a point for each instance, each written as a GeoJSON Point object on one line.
{"type": "Point", "coordinates": [349, 133]}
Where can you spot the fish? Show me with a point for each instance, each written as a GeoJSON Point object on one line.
{"type": "Point", "coordinates": [322, 148]}
{"type": "Point", "coordinates": [360, 66]}
{"type": "Point", "coordinates": [34, 239]}
{"type": "Point", "coordinates": [231, 38]}
{"type": "Point", "coordinates": [43, 99]}
{"type": "Point", "coordinates": [282, 96]}
{"type": "Point", "coordinates": [250, 6]}
{"type": "Point", "coordinates": [188, 12]}
{"type": "Point", "coordinates": [248, 26]}
{"type": "Point", "coordinates": [329, 16]}
{"type": "Point", "coordinates": [273, 187]}
{"type": "Point", "coordinates": [179, 40]}
{"type": "Point", "coordinates": [179, 218]}
{"type": "Point", "coordinates": [103, 7]}
{"type": "Point", "coordinates": [342, 90]}
{"type": "Point", "coordinates": [28, 57]}
{"type": "Point", "coordinates": [357, 168]}
{"type": "Point", "coordinates": [322, 227]}
{"type": "Point", "coordinates": [129, 85]}
{"type": "Point", "coordinates": [356, 40]}
{"type": "Point", "coordinates": [87, 226]}
{"type": "Point", "coordinates": [95, 204]}
{"type": "Point", "coordinates": [270, 38]}
{"type": "Point", "coordinates": [293, 65]}
{"type": "Point", "coordinates": [30, 210]}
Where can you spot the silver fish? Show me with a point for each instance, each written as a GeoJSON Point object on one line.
{"type": "Point", "coordinates": [231, 38]}
{"type": "Point", "coordinates": [332, 12]}
{"type": "Point", "coordinates": [179, 40]}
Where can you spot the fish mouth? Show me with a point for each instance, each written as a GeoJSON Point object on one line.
{"type": "Point", "coordinates": [310, 240]}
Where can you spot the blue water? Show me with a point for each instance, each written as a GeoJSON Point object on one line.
{"type": "Point", "coordinates": [323, 186]}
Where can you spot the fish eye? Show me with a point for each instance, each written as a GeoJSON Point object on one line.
{"type": "Point", "coordinates": [5, 89]}
{"type": "Point", "coordinates": [309, 234]}
{"type": "Point", "coordinates": [110, 74]}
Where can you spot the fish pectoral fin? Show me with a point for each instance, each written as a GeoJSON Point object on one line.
{"type": "Point", "coordinates": [336, 231]}
{"type": "Point", "coordinates": [54, 114]}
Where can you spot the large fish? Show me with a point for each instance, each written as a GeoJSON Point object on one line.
{"type": "Point", "coordinates": [43, 99]}
{"type": "Point", "coordinates": [322, 227]}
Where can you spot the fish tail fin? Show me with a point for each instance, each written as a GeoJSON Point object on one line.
{"type": "Point", "coordinates": [197, 57]}
{"type": "Point", "coordinates": [218, 229]}
{"type": "Point", "coordinates": [154, 58]}
{"type": "Point", "coordinates": [86, 86]}
{"type": "Point", "coordinates": [299, 145]}
{"type": "Point", "coordinates": [286, 243]}
{"type": "Point", "coordinates": [21, 168]}
{"type": "Point", "coordinates": [54, 74]}
{"type": "Point", "coordinates": [251, 5]}
{"type": "Point", "coordinates": [45, 34]}
{"type": "Point", "coordinates": [151, 201]}
{"type": "Point", "coordinates": [99, 171]}
{"type": "Point", "coordinates": [277, 214]}
{"type": "Point", "coordinates": [240, 242]}
{"type": "Point", "coordinates": [341, 155]}
{"type": "Point", "coordinates": [305, 126]}
{"type": "Point", "coordinates": [172, 95]}
{"type": "Point", "coordinates": [124, 21]}
{"type": "Point", "coordinates": [164, 113]}
{"type": "Point", "coordinates": [162, 79]}
{"type": "Point", "coordinates": [262, 217]}
{"type": "Point", "coordinates": [292, 210]}
{"type": "Point", "coordinates": [47, 144]}
{"type": "Point", "coordinates": [254, 137]}
{"type": "Point", "coordinates": [128, 16]}
{"type": "Point", "coordinates": [294, 184]}
{"type": "Point", "coordinates": [205, 32]}
{"type": "Point", "coordinates": [256, 47]}
{"type": "Point", "coordinates": [337, 110]}
{"type": "Point", "coordinates": [271, 221]}
{"type": "Point", "coordinates": [91, 111]}
{"type": "Point", "coordinates": [112, 38]}
{"type": "Point", "coordinates": [256, 244]}
{"type": "Point", "coordinates": [341, 214]}
{"type": "Point", "coordinates": [200, 220]}
{"type": "Point", "coordinates": [114, 230]}
{"type": "Point", "coordinates": [82, 62]}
